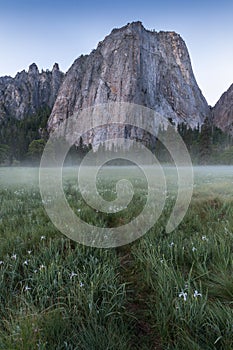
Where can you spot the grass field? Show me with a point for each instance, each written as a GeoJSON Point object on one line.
{"type": "Point", "coordinates": [164, 291]}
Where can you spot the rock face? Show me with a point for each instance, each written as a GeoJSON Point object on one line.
{"type": "Point", "coordinates": [29, 91]}
{"type": "Point", "coordinates": [223, 111]}
{"type": "Point", "coordinates": [133, 64]}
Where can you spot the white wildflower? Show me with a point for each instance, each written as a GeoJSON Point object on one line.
{"type": "Point", "coordinates": [13, 256]}
{"type": "Point", "coordinates": [183, 295]}
{"type": "Point", "coordinates": [42, 238]}
{"type": "Point", "coordinates": [81, 284]}
{"type": "Point", "coordinates": [197, 294]}
{"type": "Point", "coordinates": [1, 262]}
{"type": "Point", "coordinates": [73, 275]}
{"type": "Point", "coordinates": [171, 244]}
{"type": "Point", "coordinates": [25, 262]}
{"type": "Point", "coordinates": [26, 289]}
{"type": "Point", "coordinates": [194, 249]}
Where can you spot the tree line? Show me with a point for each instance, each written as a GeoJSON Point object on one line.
{"type": "Point", "coordinates": [22, 142]}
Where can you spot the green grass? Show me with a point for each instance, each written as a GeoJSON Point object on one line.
{"type": "Point", "coordinates": [58, 294]}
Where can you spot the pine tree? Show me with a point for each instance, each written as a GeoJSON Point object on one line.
{"type": "Point", "coordinates": [205, 145]}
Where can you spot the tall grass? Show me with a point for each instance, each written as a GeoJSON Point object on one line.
{"type": "Point", "coordinates": [164, 291]}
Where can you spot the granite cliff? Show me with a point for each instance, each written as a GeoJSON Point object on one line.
{"type": "Point", "coordinates": [131, 64]}
{"type": "Point", "coordinates": [29, 91]}
{"type": "Point", "coordinates": [223, 111]}
{"type": "Point", "coordinates": [136, 65]}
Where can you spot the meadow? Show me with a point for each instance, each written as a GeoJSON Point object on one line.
{"type": "Point", "coordinates": [163, 291]}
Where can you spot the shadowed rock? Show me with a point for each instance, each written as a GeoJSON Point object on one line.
{"type": "Point", "coordinates": [223, 111]}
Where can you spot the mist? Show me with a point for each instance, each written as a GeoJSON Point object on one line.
{"type": "Point", "coordinates": [209, 181]}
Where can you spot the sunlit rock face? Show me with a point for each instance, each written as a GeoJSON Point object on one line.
{"type": "Point", "coordinates": [223, 111]}
{"type": "Point", "coordinates": [29, 91]}
{"type": "Point", "coordinates": [135, 65]}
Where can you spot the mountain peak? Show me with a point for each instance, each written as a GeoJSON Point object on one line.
{"type": "Point", "coordinates": [135, 65]}
{"type": "Point", "coordinates": [136, 24]}
{"type": "Point", "coordinates": [29, 91]}
{"type": "Point", "coordinates": [55, 67]}
{"type": "Point", "coordinates": [33, 68]}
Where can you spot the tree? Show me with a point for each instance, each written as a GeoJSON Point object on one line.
{"type": "Point", "coordinates": [18, 134]}
{"type": "Point", "coordinates": [4, 153]}
{"type": "Point", "coordinates": [205, 142]}
{"type": "Point", "coordinates": [35, 150]}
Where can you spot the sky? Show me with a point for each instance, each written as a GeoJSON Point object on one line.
{"type": "Point", "coordinates": [59, 31]}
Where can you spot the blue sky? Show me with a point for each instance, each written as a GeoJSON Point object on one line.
{"type": "Point", "coordinates": [45, 32]}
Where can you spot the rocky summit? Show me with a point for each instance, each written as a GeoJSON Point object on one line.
{"type": "Point", "coordinates": [136, 65]}
{"type": "Point", "coordinates": [29, 91]}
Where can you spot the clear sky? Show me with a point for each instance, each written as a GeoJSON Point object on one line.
{"type": "Point", "coordinates": [44, 32]}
